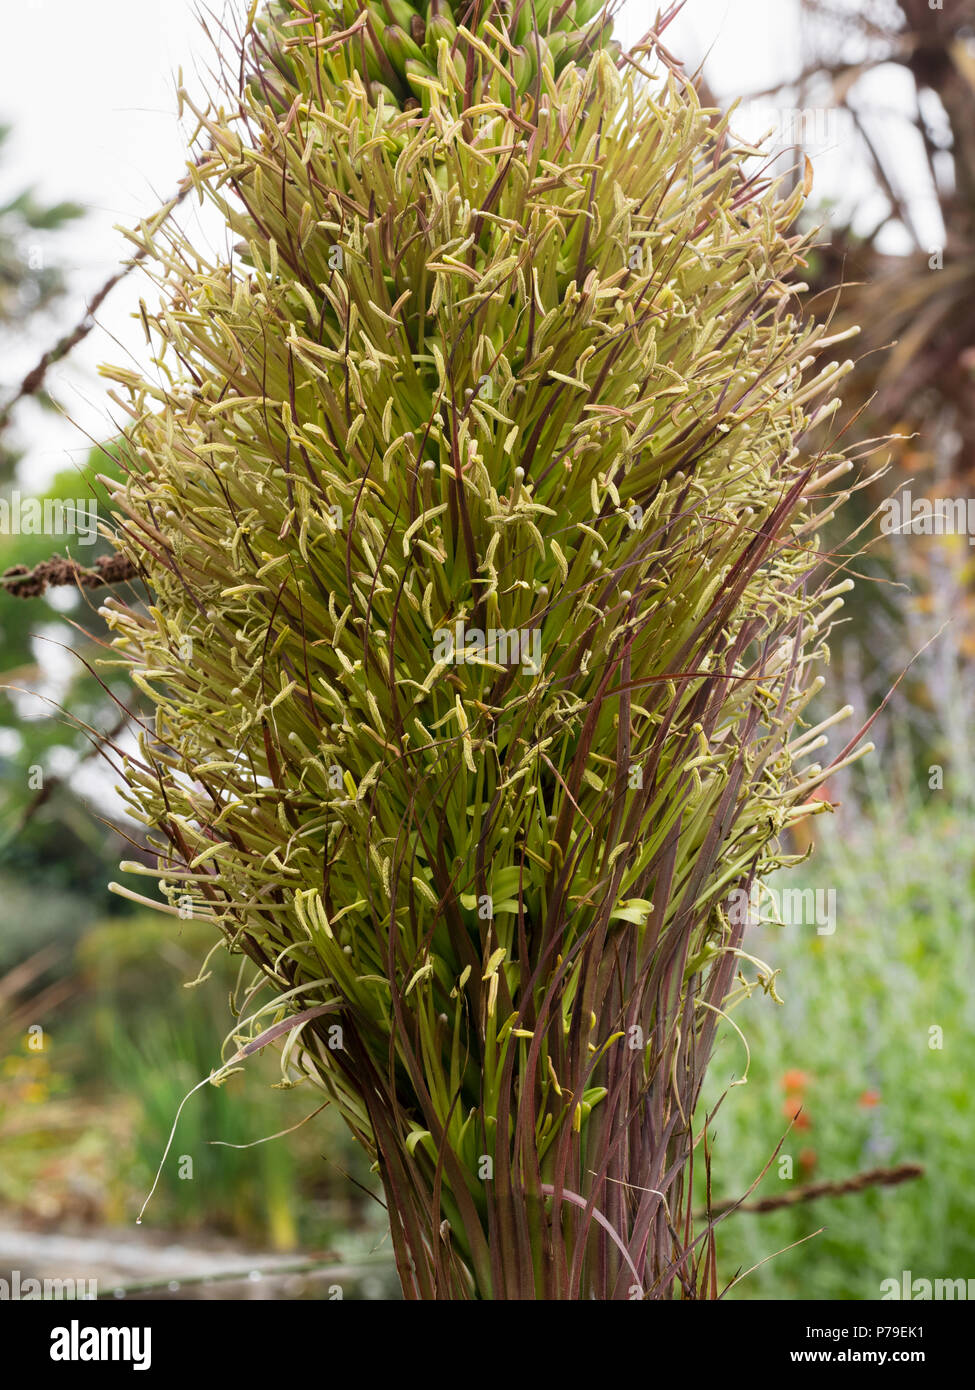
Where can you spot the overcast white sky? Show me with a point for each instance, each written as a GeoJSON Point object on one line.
{"type": "Point", "coordinates": [89, 89]}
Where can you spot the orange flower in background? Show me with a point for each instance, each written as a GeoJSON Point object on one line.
{"type": "Point", "coordinates": [808, 1159]}
{"type": "Point", "coordinates": [795, 1081]}
{"type": "Point", "coordinates": [869, 1099]}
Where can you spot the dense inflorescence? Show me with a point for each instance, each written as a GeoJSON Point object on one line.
{"type": "Point", "coordinates": [483, 606]}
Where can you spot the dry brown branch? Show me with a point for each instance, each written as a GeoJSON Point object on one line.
{"type": "Point", "coordinates": [874, 1177]}
{"type": "Point", "coordinates": [22, 582]}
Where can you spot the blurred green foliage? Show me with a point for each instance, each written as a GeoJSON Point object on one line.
{"type": "Point", "coordinates": [40, 739]}
{"type": "Point", "coordinates": [31, 280]}
{"type": "Point", "coordinates": [103, 1094]}
{"type": "Point", "coordinates": [853, 1044]}
{"type": "Point", "coordinates": [28, 280]}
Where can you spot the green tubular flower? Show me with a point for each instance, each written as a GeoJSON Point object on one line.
{"type": "Point", "coordinates": [391, 33]}
{"type": "Point", "coordinates": [483, 611]}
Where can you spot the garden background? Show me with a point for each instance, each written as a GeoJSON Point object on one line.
{"type": "Point", "coordinates": [862, 1066]}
